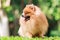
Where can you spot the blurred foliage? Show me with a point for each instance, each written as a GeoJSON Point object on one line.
{"type": "Point", "coordinates": [50, 7]}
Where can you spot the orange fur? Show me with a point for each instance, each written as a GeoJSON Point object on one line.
{"type": "Point", "coordinates": [36, 25]}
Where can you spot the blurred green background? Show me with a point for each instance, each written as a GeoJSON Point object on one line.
{"type": "Point", "coordinates": [13, 9]}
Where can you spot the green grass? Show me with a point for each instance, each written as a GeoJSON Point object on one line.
{"type": "Point", "coordinates": [24, 38]}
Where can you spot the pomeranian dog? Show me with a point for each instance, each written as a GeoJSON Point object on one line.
{"type": "Point", "coordinates": [32, 22]}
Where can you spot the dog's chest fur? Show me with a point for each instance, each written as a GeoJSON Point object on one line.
{"type": "Point", "coordinates": [30, 26]}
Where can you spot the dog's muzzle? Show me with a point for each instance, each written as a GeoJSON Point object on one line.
{"type": "Point", "coordinates": [26, 17]}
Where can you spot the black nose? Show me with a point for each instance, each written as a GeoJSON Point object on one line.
{"type": "Point", "coordinates": [22, 15]}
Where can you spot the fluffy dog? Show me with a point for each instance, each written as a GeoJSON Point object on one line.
{"type": "Point", "coordinates": [32, 22]}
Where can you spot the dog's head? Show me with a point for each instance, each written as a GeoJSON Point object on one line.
{"type": "Point", "coordinates": [28, 11]}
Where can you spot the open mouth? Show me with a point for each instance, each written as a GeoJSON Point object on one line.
{"type": "Point", "coordinates": [26, 17]}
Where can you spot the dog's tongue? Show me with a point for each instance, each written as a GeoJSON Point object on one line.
{"type": "Point", "coordinates": [23, 19]}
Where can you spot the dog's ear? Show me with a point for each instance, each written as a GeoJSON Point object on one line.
{"type": "Point", "coordinates": [31, 6]}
